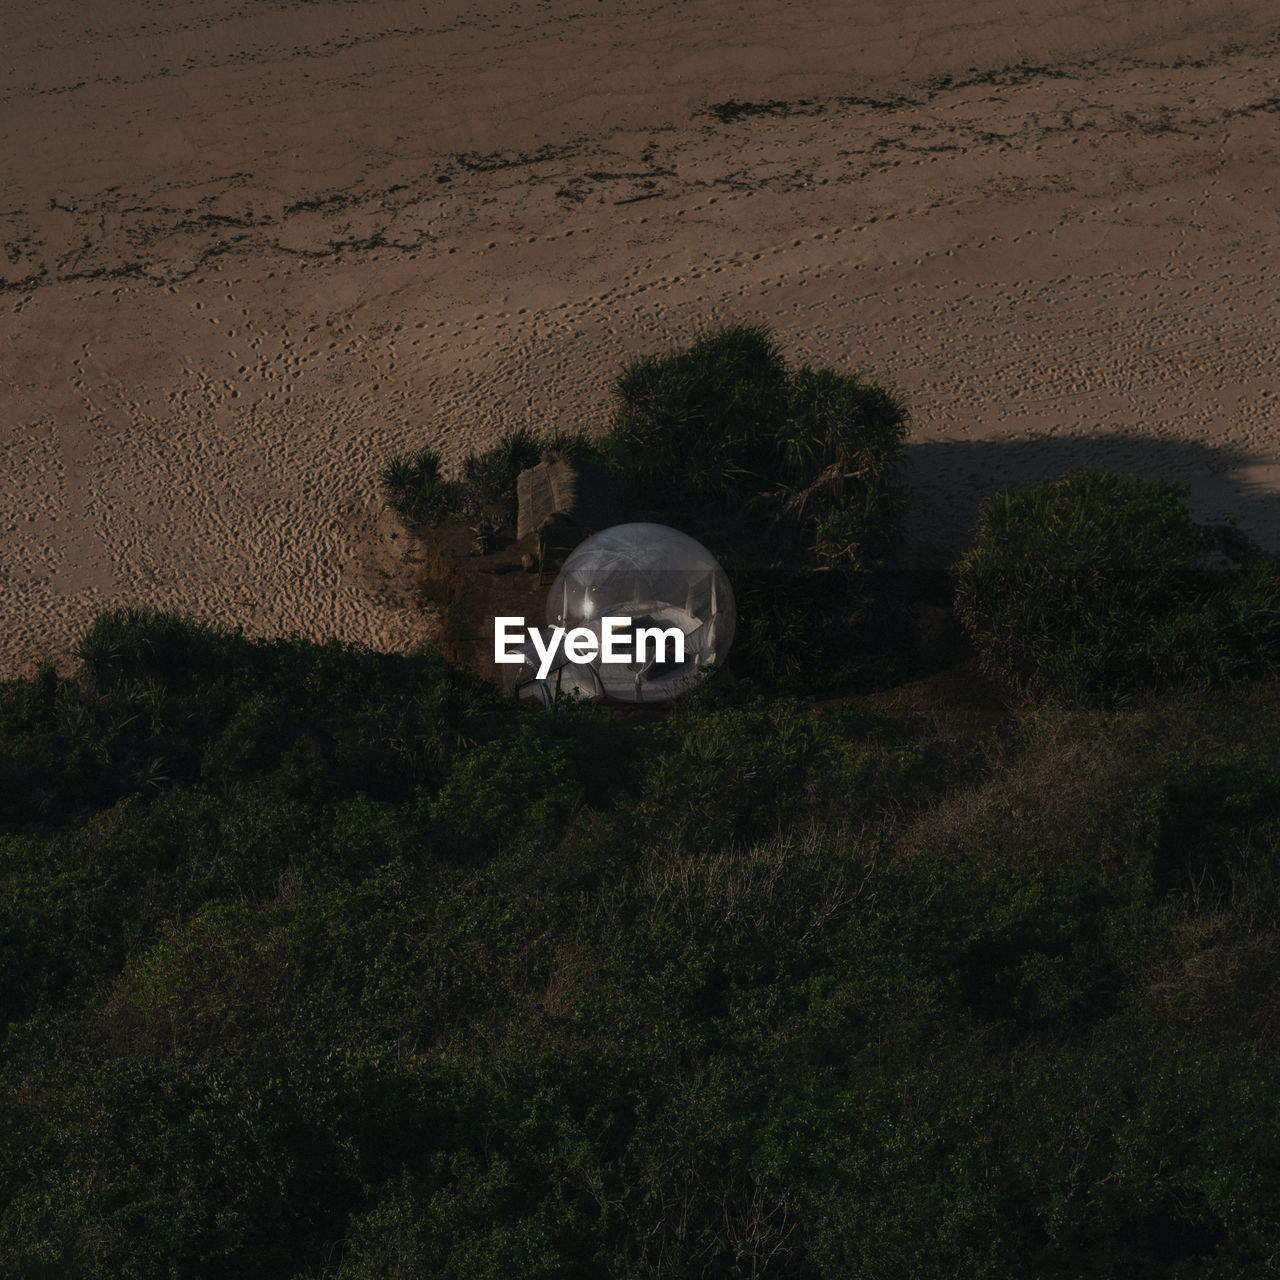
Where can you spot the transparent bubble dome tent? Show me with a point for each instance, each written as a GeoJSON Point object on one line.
{"type": "Point", "coordinates": [660, 581]}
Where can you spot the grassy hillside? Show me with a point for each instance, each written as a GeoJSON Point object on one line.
{"type": "Point", "coordinates": [325, 964]}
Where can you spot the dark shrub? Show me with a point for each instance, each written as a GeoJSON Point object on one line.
{"type": "Point", "coordinates": [1095, 585]}
{"type": "Point", "coordinates": [837, 456]}
{"type": "Point", "coordinates": [725, 423]}
{"type": "Point", "coordinates": [520, 786]}
{"type": "Point", "coordinates": [145, 644]}
{"type": "Point", "coordinates": [699, 421]}
{"type": "Point", "coordinates": [786, 475]}
{"type": "Point", "coordinates": [415, 488]}
{"type": "Point", "coordinates": [491, 476]}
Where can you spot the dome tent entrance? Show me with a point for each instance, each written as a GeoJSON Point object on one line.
{"type": "Point", "coordinates": [566, 679]}
{"type": "Point", "coordinates": [660, 580]}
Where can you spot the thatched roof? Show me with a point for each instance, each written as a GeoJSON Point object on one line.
{"type": "Point", "coordinates": [559, 489]}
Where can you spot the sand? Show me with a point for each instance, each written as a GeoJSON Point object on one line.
{"type": "Point", "coordinates": [251, 252]}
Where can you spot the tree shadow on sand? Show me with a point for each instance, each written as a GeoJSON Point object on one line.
{"type": "Point", "coordinates": [950, 479]}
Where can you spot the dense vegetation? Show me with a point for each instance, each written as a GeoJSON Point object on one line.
{"type": "Point", "coordinates": [330, 964]}
{"type": "Point", "coordinates": [324, 964]}
{"type": "Point", "coordinates": [789, 476]}
{"type": "Point", "coordinates": [1097, 585]}
{"type": "Point", "coordinates": [720, 429]}
{"type": "Point", "coordinates": [808, 452]}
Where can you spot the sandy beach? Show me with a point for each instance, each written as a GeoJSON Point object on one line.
{"type": "Point", "coordinates": [251, 253]}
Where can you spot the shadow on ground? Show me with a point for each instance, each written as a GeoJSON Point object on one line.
{"type": "Point", "coordinates": [950, 479]}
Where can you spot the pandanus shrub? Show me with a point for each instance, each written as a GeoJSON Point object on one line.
{"type": "Point", "coordinates": [726, 423]}
{"type": "Point", "coordinates": [414, 487]}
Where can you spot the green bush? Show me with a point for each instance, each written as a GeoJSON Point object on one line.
{"type": "Point", "coordinates": [490, 477]}
{"type": "Point", "coordinates": [518, 787]}
{"type": "Point", "coordinates": [1094, 586]}
{"type": "Point", "coordinates": [139, 644]}
{"type": "Point", "coordinates": [787, 471]}
{"type": "Point", "coordinates": [392, 977]}
{"type": "Point", "coordinates": [838, 455]}
{"type": "Point", "coordinates": [414, 487]}
{"type": "Point", "coordinates": [724, 422]}
{"type": "Point", "coordinates": [701, 421]}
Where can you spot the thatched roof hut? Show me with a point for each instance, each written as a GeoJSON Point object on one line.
{"type": "Point", "coordinates": [560, 502]}
{"type": "Point", "coordinates": [560, 490]}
